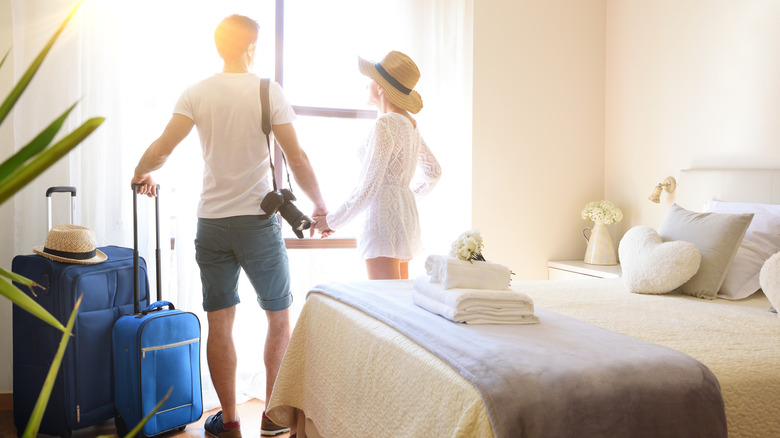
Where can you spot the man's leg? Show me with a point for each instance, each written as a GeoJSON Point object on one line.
{"type": "Point", "coordinates": [276, 341]}
{"type": "Point", "coordinates": [261, 252]}
{"type": "Point", "coordinates": [221, 355]}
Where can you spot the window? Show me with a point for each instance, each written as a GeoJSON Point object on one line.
{"type": "Point", "coordinates": [323, 139]}
{"type": "Point", "coordinates": [317, 44]}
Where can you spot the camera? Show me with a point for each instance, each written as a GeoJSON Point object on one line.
{"type": "Point", "coordinates": [281, 201]}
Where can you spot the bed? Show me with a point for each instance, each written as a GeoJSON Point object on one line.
{"type": "Point", "coordinates": [347, 373]}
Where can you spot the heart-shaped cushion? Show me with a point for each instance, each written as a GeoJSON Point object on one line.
{"type": "Point", "coordinates": [652, 266]}
{"type": "Point", "coordinates": [769, 279]}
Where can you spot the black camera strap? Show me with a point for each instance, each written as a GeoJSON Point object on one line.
{"type": "Point", "coordinates": [265, 107]}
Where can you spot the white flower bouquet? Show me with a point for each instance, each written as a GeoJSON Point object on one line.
{"type": "Point", "coordinates": [602, 211]}
{"type": "Point", "coordinates": [468, 247]}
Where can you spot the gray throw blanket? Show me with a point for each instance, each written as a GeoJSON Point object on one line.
{"type": "Point", "coordinates": [559, 378]}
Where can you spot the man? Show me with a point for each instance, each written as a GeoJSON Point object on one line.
{"type": "Point", "coordinates": [233, 231]}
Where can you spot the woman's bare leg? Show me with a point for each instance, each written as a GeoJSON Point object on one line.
{"type": "Point", "coordinates": [383, 268]}
{"type": "Point", "coordinates": [404, 268]}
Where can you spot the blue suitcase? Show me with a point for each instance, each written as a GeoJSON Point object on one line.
{"type": "Point", "coordinates": [156, 350]}
{"type": "Point", "coordinates": [83, 392]}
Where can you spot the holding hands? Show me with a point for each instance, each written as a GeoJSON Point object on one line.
{"type": "Point", "coordinates": [321, 225]}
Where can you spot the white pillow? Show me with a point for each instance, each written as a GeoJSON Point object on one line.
{"type": "Point", "coordinates": [762, 239]}
{"type": "Point", "coordinates": [652, 266]}
{"type": "Point", "coordinates": [742, 207]}
{"type": "Point", "coordinates": [717, 237]}
{"type": "Point", "coordinates": [769, 278]}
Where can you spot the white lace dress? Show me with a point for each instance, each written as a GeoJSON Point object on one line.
{"type": "Point", "coordinates": [385, 192]}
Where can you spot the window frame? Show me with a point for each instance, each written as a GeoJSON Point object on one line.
{"type": "Point", "coordinates": [345, 113]}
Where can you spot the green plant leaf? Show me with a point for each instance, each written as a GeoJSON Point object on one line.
{"type": "Point", "coordinates": [35, 146]}
{"type": "Point", "coordinates": [13, 276]}
{"type": "Point", "coordinates": [19, 298]}
{"type": "Point", "coordinates": [17, 91]}
{"type": "Point", "coordinates": [4, 57]}
{"type": "Point", "coordinates": [33, 424]}
{"type": "Point", "coordinates": [20, 178]}
{"type": "Point", "coordinates": [140, 425]}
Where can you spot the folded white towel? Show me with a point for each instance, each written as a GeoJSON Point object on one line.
{"type": "Point", "coordinates": [455, 273]}
{"type": "Point", "coordinates": [462, 298]}
{"type": "Point", "coordinates": [432, 267]}
{"type": "Point", "coordinates": [470, 317]}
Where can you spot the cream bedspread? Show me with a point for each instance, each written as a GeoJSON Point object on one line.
{"type": "Point", "coordinates": [738, 341]}
{"type": "Point", "coordinates": [354, 376]}
{"type": "Point", "coordinates": [386, 385]}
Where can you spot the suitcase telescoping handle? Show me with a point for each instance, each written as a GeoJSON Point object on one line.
{"type": "Point", "coordinates": [136, 267]}
{"type": "Point", "coordinates": [60, 189]}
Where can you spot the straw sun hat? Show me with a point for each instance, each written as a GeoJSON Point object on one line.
{"type": "Point", "coordinates": [71, 244]}
{"type": "Point", "coordinates": [397, 74]}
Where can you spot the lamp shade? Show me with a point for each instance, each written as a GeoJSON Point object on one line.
{"type": "Point", "coordinates": [656, 195]}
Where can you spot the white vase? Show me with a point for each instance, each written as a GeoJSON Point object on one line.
{"type": "Point", "coordinates": [600, 250]}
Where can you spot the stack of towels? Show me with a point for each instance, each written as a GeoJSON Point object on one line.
{"type": "Point", "coordinates": [471, 292]}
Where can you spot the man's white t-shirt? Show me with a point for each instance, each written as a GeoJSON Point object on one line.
{"type": "Point", "coordinates": [226, 112]}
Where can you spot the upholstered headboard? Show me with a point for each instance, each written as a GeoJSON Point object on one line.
{"type": "Point", "coordinates": [697, 186]}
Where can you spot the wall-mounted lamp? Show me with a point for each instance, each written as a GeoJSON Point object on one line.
{"type": "Point", "coordinates": [669, 184]}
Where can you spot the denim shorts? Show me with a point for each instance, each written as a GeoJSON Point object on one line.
{"type": "Point", "coordinates": [224, 246]}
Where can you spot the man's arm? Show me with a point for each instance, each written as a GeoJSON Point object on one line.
{"type": "Point", "coordinates": [300, 166]}
{"type": "Point", "coordinates": [158, 152]}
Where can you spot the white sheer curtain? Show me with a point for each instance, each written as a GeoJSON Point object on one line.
{"type": "Point", "coordinates": [83, 67]}
{"type": "Point", "coordinates": [129, 61]}
{"type": "Point", "coordinates": [440, 41]}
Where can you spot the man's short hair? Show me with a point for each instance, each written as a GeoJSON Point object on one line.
{"type": "Point", "coordinates": [234, 35]}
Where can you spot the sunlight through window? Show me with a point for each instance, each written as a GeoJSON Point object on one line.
{"type": "Point", "coordinates": [164, 47]}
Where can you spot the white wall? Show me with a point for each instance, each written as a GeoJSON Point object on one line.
{"type": "Point", "coordinates": [690, 84]}
{"type": "Point", "coordinates": [538, 146]}
{"type": "Point", "coordinates": [576, 101]}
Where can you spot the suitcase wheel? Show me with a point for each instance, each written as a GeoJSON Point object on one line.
{"type": "Point", "coordinates": [121, 427]}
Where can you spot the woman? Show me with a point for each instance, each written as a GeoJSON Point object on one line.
{"type": "Point", "coordinates": [391, 154]}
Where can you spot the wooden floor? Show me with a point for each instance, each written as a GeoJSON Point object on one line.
{"type": "Point", "coordinates": [249, 412]}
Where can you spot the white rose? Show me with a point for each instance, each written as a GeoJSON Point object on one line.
{"type": "Point", "coordinates": [464, 254]}
{"type": "Point", "coordinates": [454, 249]}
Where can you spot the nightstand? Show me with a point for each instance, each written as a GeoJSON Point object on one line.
{"type": "Point", "coordinates": [571, 269]}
